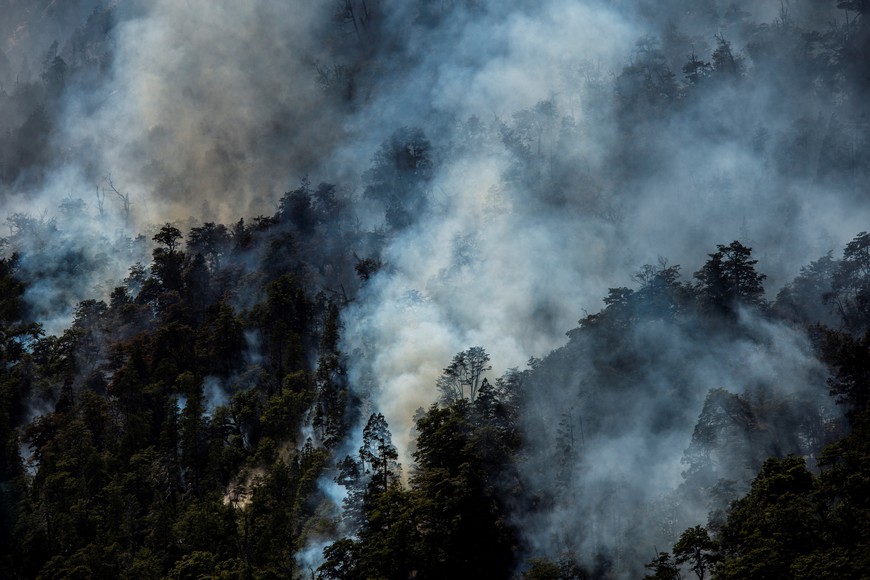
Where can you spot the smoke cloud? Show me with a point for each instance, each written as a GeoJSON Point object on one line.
{"type": "Point", "coordinates": [528, 265]}
{"type": "Point", "coordinates": [516, 249]}
{"type": "Point", "coordinates": [561, 166]}
{"type": "Point", "coordinates": [211, 106]}
{"type": "Point", "coordinates": [181, 109]}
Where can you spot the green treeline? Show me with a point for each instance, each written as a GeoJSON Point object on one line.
{"type": "Point", "coordinates": [155, 438]}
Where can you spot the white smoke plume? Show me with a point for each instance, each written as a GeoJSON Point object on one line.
{"type": "Point", "coordinates": [495, 266]}
{"type": "Point", "coordinates": [211, 109]}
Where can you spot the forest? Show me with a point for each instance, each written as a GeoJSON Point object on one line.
{"type": "Point", "coordinates": [381, 289]}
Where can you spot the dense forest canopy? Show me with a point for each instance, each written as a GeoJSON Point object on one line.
{"type": "Point", "coordinates": [357, 289]}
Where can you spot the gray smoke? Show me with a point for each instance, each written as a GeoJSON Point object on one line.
{"type": "Point", "coordinates": [616, 457]}
{"type": "Point", "coordinates": [545, 191]}
{"type": "Point", "coordinates": [204, 109]}
{"type": "Point", "coordinates": [497, 264]}
{"type": "Point", "coordinates": [210, 108]}
{"type": "Point", "coordinates": [511, 266]}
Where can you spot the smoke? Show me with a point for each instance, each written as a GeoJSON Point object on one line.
{"type": "Point", "coordinates": [533, 260]}
{"type": "Point", "coordinates": [478, 268]}
{"type": "Point", "coordinates": [212, 109]}
{"type": "Point", "coordinates": [184, 108]}
{"type": "Point", "coordinates": [521, 241]}
{"type": "Point", "coordinates": [210, 106]}
{"type": "Point", "coordinates": [311, 557]}
{"type": "Point", "coordinates": [615, 453]}
{"type": "Point", "coordinates": [215, 394]}
{"type": "Point", "coordinates": [563, 162]}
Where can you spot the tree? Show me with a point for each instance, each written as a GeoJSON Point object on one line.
{"type": "Point", "coordinates": [648, 83]}
{"type": "Point", "coordinates": [465, 372]}
{"type": "Point", "coordinates": [695, 69]}
{"type": "Point", "coordinates": [168, 262]}
{"type": "Point", "coordinates": [526, 137]}
{"type": "Point", "coordinates": [725, 62]}
{"type": "Point", "coordinates": [661, 294]}
{"type": "Point", "coordinates": [664, 568]}
{"type": "Point", "coordinates": [378, 455]}
{"type": "Point", "coordinates": [465, 531]}
{"type": "Point", "coordinates": [850, 287]}
{"type": "Point", "coordinates": [297, 209]}
{"type": "Point", "coordinates": [284, 318]}
{"type": "Point", "coordinates": [400, 170]}
{"type": "Point", "coordinates": [341, 561]}
{"type": "Point", "coordinates": [16, 370]}
{"type": "Point", "coordinates": [850, 357]}
{"type": "Point", "coordinates": [722, 438]}
{"type": "Point", "coordinates": [328, 206]}
{"type": "Point", "coordinates": [844, 498]}
{"type": "Point", "coordinates": [220, 341]}
{"type": "Point", "coordinates": [367, 267]}
{"type": "Point", "coordinates": [728, 279]}
{"type": "Point", "coordinates": [382, 516]}
{"type": "Point", "coordinates": [168, 237]}
{"type": "Point", "coordinates": [350, 476]}
{"type": "Point", "coordinates": [697, 548]}
{"type": "Point", "coordinates": [211, 240]}
{"type": "Point", "coordinates": [772, 525]}
{"type": "Point", "coordinates": [123, 197]}
{"type": "Point", "coordinates": [331, 389]}
{"type": "Point", "coordinates": [806, 299]}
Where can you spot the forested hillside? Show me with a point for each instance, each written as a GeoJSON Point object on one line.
{"type": "Point", "coordinates": [375, 289]}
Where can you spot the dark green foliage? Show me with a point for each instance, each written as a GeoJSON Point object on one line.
{"type": "Point", "coordinates": [729, 280]}
{"type": "Point", "coordinates": [460, 508]}
{"type": "Point", "coordinates": [464, 374]}
{"type": "Point", "coordinates": [663, 568]}
{"type": "Point", "coordinates": [283, 319]}
{"type": "Point", "coordinates": [167, 451]}
{"type": "Point", "coordinates": [378, 456]}
{"type": "Point", "coordinates": [844, 494]}
{"type": "Point", "coordinates": [220, 341]}
{"type": "Point", "coordinates": [451, 520]}
{"type": "Point", "coordinates": [211, 240]}
{"type": "Point", "coordinates": [332, 392]}
{"type": "Point", "coordinates": [698, 550]}
{"type": "Point", "coordinates": [15, 383]}
{"type": "Point", "coordinates": [850, 285]}
{"type": "Point", "coordinates": [168, 237]}
{"type": "Point", "coordinates": [282, 413]}
{"type": "Point", "coordinates": [341, 561]}
{"type": "Point", "coordinates": [661, 295]}
{"type": "Point", "coordinates": [351, 476]}
{"type": "Point", "coordinates": [791, 523]}
{"type": "Point", "coordinates": [850, 357]}
{"type": "Point", "coordinates": [296, 207]}
{"type": "Point", "coordinates": [379, 509]}
{"type": "Point", "coordinates": [804, 299]}
{"type": "Point", "coordinates": [772, 525]}
{"type": "Point", "coordinates": [162, 450]}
